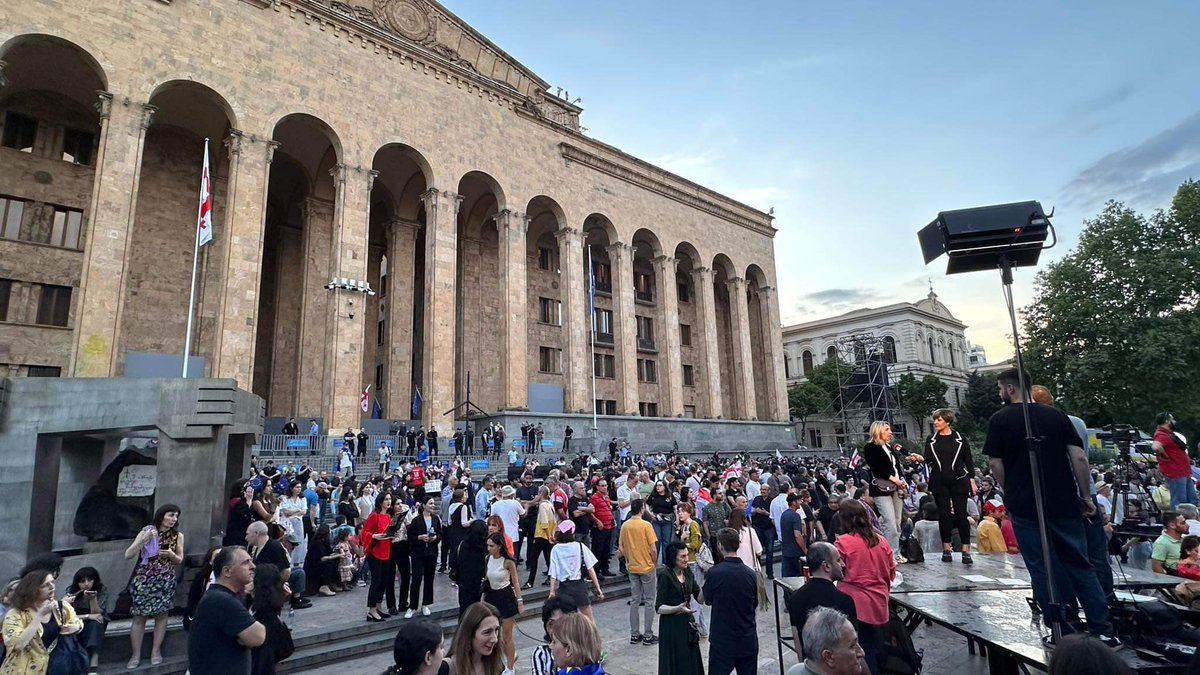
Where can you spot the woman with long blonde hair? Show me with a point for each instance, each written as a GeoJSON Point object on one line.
{"type": "Point", "coordinates": [887, 486]}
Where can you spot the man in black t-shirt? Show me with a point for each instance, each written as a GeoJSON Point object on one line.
{"type": "Point", "coordinates": [764, 527]}
{"type": "Point", "coordinates": [826, 568]}
{"type": "Point", "coordinates": [1065, 481]}
{"type": "Point", "coordinates": [581, 510]}
{"type": "Point", "coordinates": [265, 550]}
{"type": "Point", "coordinates": [224, 632]}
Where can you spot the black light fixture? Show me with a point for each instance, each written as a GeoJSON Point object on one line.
{"type": "Point", "coordinates": [981, 238]}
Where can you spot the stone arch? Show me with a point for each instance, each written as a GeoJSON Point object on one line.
{"type": "Point", "coordinates": [546, 299]}
{"type": "Point", "coordinates": [75, 71]}
{"type": "Point", "coordinates": [479, 302]}
{"type": "Point", "coordinates": [295, 313]}
{"type": "Point", "coordinates": [830, 352]}
{"type": "Point", "coordinates": [393, 342]}
{"type": "Point", "coordinates": [163, 238]}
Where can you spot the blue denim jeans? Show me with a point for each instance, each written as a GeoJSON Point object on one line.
{"type": "Point", "coordinates": [1183, 491]}
{"type": "Point", "coordinates": [1074, 575]}
{"type": "Point", "coordinates": [664, 531]}
{"type": "Point", "coordinates": [766, 537]}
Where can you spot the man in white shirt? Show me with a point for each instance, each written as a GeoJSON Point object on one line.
{"type": "Point", "coordinates": [509, 510]}
{"type": "Point", "coordinates": [1104, 498]}
{"type": "Point", "coordinates": [779, 505]}
{"type": "Point", "coordinates": [693, 482]}
{"type": "Point", "coordinates": [626, 493]}
{"type": "Point", "coordinates": [753, 487]}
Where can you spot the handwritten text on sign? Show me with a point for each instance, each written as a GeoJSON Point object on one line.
{"type": "Point", "coordinates": [137, 480]}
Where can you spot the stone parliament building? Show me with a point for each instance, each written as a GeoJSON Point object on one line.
{"type": "Point", "coordinates": [382, 141]}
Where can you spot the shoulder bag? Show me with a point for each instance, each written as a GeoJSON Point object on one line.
{"type": "Point", "coordinates": [67, 655]}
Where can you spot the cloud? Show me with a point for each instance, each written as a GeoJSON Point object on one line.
{"type": "Point", "coordinates": [1145, 175]}
{"type": "Point", "coordinates": [833, 300]}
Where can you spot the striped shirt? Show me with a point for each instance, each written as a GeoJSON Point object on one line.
{"type": "Point", "coordinates": [543, 661]}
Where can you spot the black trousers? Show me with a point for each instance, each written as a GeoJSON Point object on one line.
{"type": "Point", "coordinates": [721, 662]}
{"type": "Point", "coordinates": [540, 547]}
{"type": "Point", "coordinates": [602, 547]}
{"type": "Point", "coordinates": [422, 578]}
{"type": "Point", "coordinates": [444, 545]}
{"type": "Point", "coordinates": [402, 566]}
{"type": "Point", "coordinates": [382, 582]}
{"type": "Point", "coordinates": [948, 522]}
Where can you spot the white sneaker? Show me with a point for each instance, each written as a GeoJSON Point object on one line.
{"type": "Point", "coordinates": [425, 610]}
{"type": "Point", "coordinates": [408, 614]}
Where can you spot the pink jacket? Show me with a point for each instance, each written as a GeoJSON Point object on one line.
{"type": "Point", "coordinates": [869, 574]}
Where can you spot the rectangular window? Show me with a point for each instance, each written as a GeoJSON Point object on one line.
{"type": "Point", "coordinates": [547, 259]}
{"type": "Point", "coordinates": [11, 211]}
{"type": "Point", "coordinates": [45, 371]}
{"type": "Point", "coordinates": [689, 411]}
{"type": "Point", "coordinates": [814, 438]}
{"type": "Point", "coordinates": [54, 305]}
{"type": "Point", "coordinates": [648, 409]}
{"type": "Point", "coordinates": [381, 332]}
{"type": "Point", "coordinates": [689, 376]}
{"type": "Point", "coordinates": [77, 146]}
{"type": "Point", "coordinates": [685, 335]}
{"type": "Point", "coordinates": [604, 365]}
{"type": "Point", "coordinates": [549, 360]}
{"type": "Point", "coordinates": [603, 273]}
{"type": "Point", "coordinates": [383, 284]}
{"type": "Point", "coordinates": [643, 286]}
{"type": "Point", "coordinates": [647, 370]}
{"type": "Point", "coordinates": [645, 332]}
{"type": "Point", "coordinates": [684, 292]}
{"type": "Point", "coordinates": [378, 376]}
{"type": "Point", "coordinates": [602, 324]}
{"type": "Point", "coordinates": [67, 224]}
{"type": "Point", "coordinates": [606, 407]}
{"type": "Point", "coordinates": [5, 292]}
{"type": "Point", "coordinates": [550, 311]}
{"type": "Point", "coordinates": [19, 131]}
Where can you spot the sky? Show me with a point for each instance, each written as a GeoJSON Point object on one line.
{"type": "Point", "coordinates": [859, 121]}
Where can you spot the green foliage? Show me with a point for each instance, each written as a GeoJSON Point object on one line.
{"type": "Point", "coordinates": [825, 377]}
{"type": "Point", "coordinates": [978, 405]}
{"type": "Point", "coordinates": [1114, 327]}
{"type": "Point", "coordinates": [920, 398]}
{"type": "Point", "coordinates": [807, 399]}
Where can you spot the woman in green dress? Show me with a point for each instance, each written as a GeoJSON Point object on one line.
{"type": "Point", "coordinates": [679, 641]}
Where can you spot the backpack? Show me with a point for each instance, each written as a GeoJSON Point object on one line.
{"type": "Point", "coordinates": [910, 548]}
{"type": "Point", "coordinates": [898, 655]}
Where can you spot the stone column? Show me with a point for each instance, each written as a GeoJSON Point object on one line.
{"type": "Point", "coordinates": [237, 313]}
{"type": "Point", "coordinates": [670, 385]}
{"type": "Point", "coordinates": [350, 232]}
{"type": "Point", "coordinates": [743, 366]}
{"type": "Point", "coordinates": [95, 348]}
{"type": "Point", "coordinates": [773, 341]}
{"type": "Point", "coordinates": [706, 323]}
{"type": "Point", "coordinates": [312, 363]}
{"type": "Point", "coordinates": [441, 235]}
{"type": "Point", "coordinates": [625, 331]}
{"type": "Point", "coordinates": [402, 248]}
{"type": "Point", "coordinates": [514, 393]}
{"type": "Point", "coordinates": [576, 322]}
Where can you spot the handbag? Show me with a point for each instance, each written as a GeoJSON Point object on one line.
{"type": "Point", "coordinates": [67, 656]}
{"type": "Point", "coordinates": [704, 558]}
{"type": "Point", "coordinates": [884, 485]}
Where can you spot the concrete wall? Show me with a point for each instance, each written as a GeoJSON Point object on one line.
{"type": "Point", "coordinates": [56, 436]}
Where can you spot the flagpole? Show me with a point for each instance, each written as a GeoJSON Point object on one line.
{"type": "Point", "coordinates": [592, 322]}
{"type": "Point", "coordinates": [187, 341]}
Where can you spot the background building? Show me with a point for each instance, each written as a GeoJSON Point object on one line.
{"type": "Point", "coordinates": [385, 142]}
{"type": "Point", "coordinates": [921, 338]}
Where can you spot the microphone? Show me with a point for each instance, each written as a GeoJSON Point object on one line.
{"type": "Point", "coordinates": [897, 447]}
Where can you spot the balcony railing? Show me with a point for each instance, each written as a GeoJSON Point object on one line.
{"type": "Point", "coordinates": [644, 296]}
{"type": "Point", "coordinates": [605, 338]}
{"type": "Point", "coordinates": [647, 344]}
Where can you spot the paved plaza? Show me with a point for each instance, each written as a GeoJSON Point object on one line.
{"type": "Point", "coordinates": [945, 652]}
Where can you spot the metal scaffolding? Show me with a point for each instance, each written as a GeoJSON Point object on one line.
{"type": "Point", "coordinates": [865, 388]}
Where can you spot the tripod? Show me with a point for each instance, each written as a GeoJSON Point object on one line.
{"type": "Point", "coordinates": [1053, 614]}
{"type": "Point", "coordinates": [470, 408]}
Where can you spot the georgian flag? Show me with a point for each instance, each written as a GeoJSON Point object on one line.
{"type": "Point", "coordinates": [204, 231]}
{"type": "Point", "coordinates": [362, 400]}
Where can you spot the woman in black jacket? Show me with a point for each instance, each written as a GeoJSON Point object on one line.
{"type": "Point", "coordinates": [423, 535]}
{"type": "Point", "coordinates": [949, 458]}
{"type": "Point", "coordinates": [886, 464]}
{"type": "Point", "coordinates": [269, 595]}
{"type": "Point", "coordinates": [470, 564]}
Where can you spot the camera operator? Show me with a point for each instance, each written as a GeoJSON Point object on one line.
{"type": "Point", "coordinates": [1062, 462]}
{"type": "Point", "coordinates": [1173, 461]}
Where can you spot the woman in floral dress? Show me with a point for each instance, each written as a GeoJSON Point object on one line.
{"type": "Point", "coordinates": [159, 548]}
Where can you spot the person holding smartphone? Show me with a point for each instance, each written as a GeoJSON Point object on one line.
{"type": "Point", "coordinates": [88, 598]}
{"type": "Point", "coordinates": [423, 535]}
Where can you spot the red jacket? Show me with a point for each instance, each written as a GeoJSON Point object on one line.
{"type": "Point", "coordinates": [380, 549]}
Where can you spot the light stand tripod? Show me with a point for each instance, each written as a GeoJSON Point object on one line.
{"type": "Point", "coordinates": [1053, 613]}
{"type": "Point", "coordinates": [470, 408]}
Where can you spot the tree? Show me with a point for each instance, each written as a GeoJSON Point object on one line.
{"type": "Point", "coordinates": [920, 398]}
{"type": "Point", "coordinates": [980, 402]}
{"type": "Point", "coordinates": [827, 377]}
{"type": "Point", "coordinates": [1114, 327]}
{"type": "Point", "coordinates": [807, 399]}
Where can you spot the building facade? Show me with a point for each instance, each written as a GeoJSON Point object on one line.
{"type": "Point", "coordinates": [921, 338]}
{"type": "Point", "coordinates": [383, 142]}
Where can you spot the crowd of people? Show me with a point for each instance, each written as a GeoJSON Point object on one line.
{"type": "Point", "coordinates": [696, 537]}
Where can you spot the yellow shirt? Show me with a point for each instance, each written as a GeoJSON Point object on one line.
{"type": "Point", "coordinates": [637, 543]}
{"type": "Point", "coordinates": [33, 658]}
{"type": "Point", "coordinates": [990, 538]}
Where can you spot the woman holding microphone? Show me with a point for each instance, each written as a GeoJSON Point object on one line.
{"type": "Point", "coordinates": [948, 456]}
